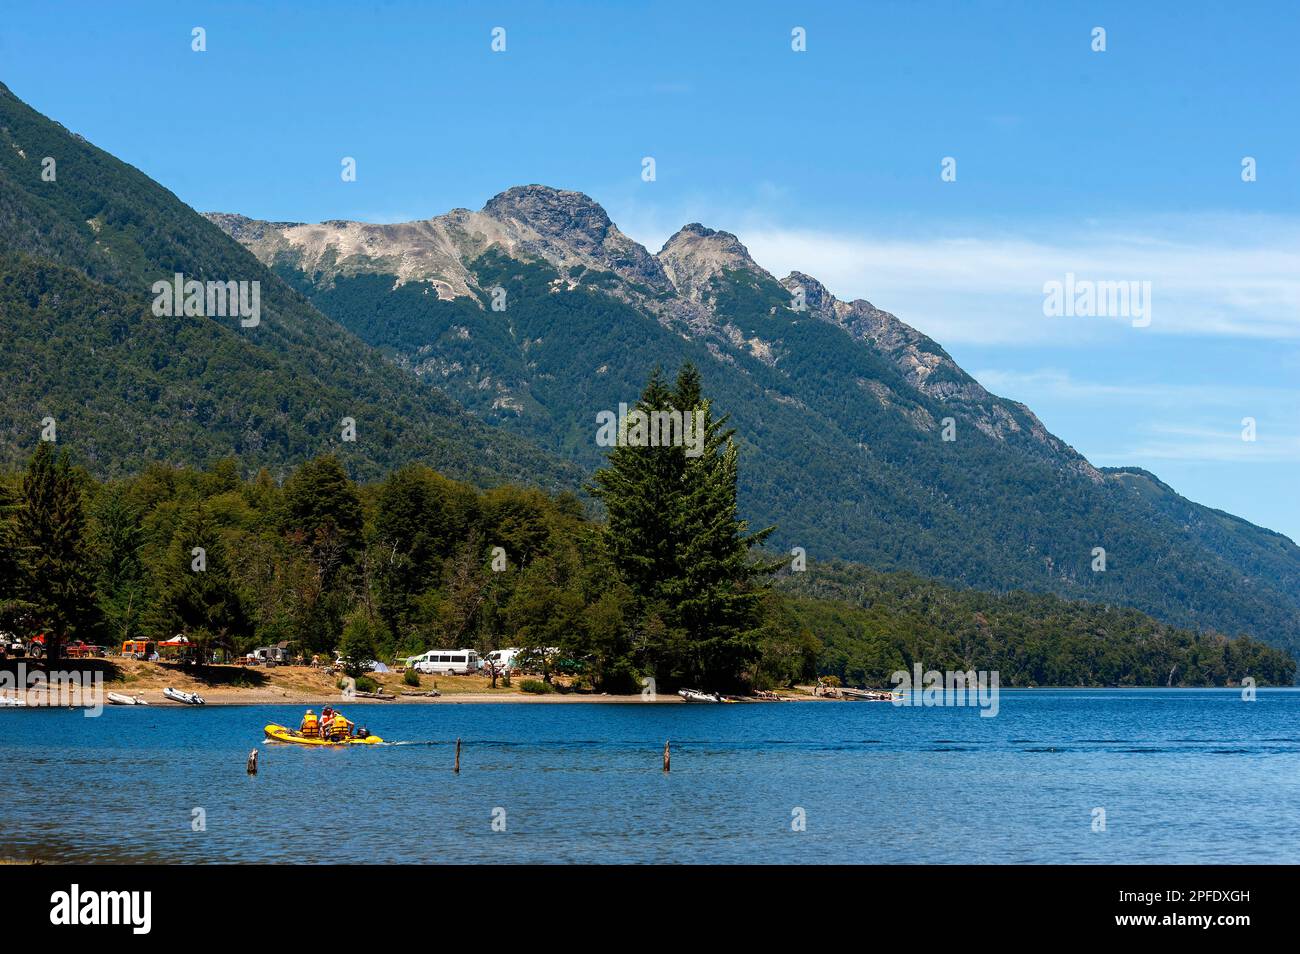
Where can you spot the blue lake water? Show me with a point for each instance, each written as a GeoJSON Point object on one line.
{"type": "Point", "coordinates": [1183, 776]}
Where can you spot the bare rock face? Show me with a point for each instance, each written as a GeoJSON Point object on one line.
{"type": "Point", "coordinates": [571, 228]}
{"type": "Point", "coordinates": [694, 256]}
{"type": "Point", "coordinates": [563, 228]}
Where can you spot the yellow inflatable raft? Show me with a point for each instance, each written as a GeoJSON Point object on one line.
{"type": "Point", "coordinates": [280, 734]}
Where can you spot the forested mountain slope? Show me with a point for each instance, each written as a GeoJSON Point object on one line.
{"type": "Point", "coordinates": [841, 408]}
{"type": "Point", "coordinates": [81, 246]}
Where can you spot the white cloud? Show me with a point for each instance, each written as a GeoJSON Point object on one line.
{"type": "Point", "coordinates": [1235, 275]}
{"type": "Point", "coordinates": [1201, 444]}
{"type": "Point", "coordinates": [1057, 384]}
{"type": "Point", "coordinates": [1230, 279]}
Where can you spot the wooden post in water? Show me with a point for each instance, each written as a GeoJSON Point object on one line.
{"type": "Point", "coordinates": [457, 768]}
{"type": "Point", "coordinates": [252, 762]}
{"type": "Point", "coordinates": [667, 756]}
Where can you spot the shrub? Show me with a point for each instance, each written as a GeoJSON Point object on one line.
{"type": "Point", "coordinates": [536, 686]}
{"type": "Point", "coordinates": [411, 677]}
{"type": "Point", "coordinates": [366, 684]}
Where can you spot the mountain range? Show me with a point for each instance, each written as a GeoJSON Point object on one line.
{"type": "Point", "coordinates": [484, 343]}
{"type": "Point", "coordinates": [840, 407]}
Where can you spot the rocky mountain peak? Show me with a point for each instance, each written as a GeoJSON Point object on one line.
{"type": "Point", "coordinates": [818, 299]}
{"type": "Point", "coordinates": [242, 228]}
{"type": "Point", "coordinates": [695, 255]}
{"type": "Point", "coordinates": [571, 226]}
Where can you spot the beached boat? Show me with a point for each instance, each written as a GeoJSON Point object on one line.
{"type": "Point", "coordinates": [695, 695]}
{"type": "Point", "coordinates": [8, 702]}
{"type": "Point", "coordinates": [118, 699]}
{"type": "Point", "coordinates": [279, 733]}
{"type": "Point", "coordinates": [178, 695]}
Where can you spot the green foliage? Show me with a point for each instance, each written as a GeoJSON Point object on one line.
{"type": "Point", "coordinates": [674, 531]}
{"type": "Point", "coordinates": [872, 624]}
{"type": "Point", "coordinates": [55, 575]}
{"type": "Point", "coordinates": [78, 259]}
{"type": "Point", "coordinates": [366, 684]}
{"type": "Point", "coordinates": [842, 450]}
{"type": "Point", "coordinates": [411, 678]}
{"type": "Point", "coordinates": [536, 687]}
{"type": "Point", "coordinates": [359, 646]}
{"type": "Point", "coordinates": [262, 584]}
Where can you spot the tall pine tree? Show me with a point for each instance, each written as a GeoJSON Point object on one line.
{"type": "Point", "coordinates": [56, 572]}
{"type": "Point", "coordinates": [675, 533]}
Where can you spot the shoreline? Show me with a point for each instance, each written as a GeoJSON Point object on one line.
{"type": "Point", "coordinates": [225, 685]}
{"type": "Point", "coordinates": [252, 698]}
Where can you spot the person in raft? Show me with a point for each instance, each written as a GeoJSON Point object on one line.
{"type": "Point", "coordinates": [310, 727]}
{"type": "Point", "coordinates": [339, 727]}
{"type": "Point", "coordinates": [326, 717]}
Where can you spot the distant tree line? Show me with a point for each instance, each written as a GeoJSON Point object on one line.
{"type": "Point", "coordinates": [670, 584]}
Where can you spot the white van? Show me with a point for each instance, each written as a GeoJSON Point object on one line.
{"type": "Point", "coordinates": [447, 661]}
{"type": "Point", "coordinates": [504, 659]}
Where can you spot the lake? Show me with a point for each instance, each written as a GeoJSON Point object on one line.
{"type": "Point", "coordinates": [1182, 776]}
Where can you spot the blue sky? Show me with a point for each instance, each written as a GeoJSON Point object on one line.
{"type": "Point", "coordinates": [1115, 165]}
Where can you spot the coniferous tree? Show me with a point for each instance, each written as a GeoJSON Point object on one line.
{"type": "Point", "coordinates": [675, 535]}
{"type": "Point", "coordinates": [56, 572]}
{"type": "Point", "coordinates": [719, 589]}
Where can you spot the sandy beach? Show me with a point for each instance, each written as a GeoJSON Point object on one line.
{"type": "Point", "coordinates": [308, 686]}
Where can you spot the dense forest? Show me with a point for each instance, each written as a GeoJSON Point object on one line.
{"type": "Point", "coordinates": [844, 455]}
{"type": "Point", "coordinates": [870, 624]}
{"type": "Point", "coordinates": [671, 584]}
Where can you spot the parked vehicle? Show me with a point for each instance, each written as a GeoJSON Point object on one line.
{"type": "Point", "coordinates": [139, 648]}
{"type": "Point", "coordinates": [11, 645]}
{"type": "Point", "coordinates": [506, 660]}
{"type": "Point", "coordinates": [277, 655]}
{"type": "Point", "coordinates": [448, 661]}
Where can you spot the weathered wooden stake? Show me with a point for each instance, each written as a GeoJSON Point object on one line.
{"type": "Point", "coordinates": [667, 756]}
{"type": "Point", "coordinates": [252, 762]}
{"type": "Point", "coordinates": [457, 768]}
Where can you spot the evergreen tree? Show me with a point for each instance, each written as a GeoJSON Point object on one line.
{"type": "Point", "coordinates": [56, 572]}
{"type": "Point", "coordinates": [675, 534]}
{"type": "Point", "coordinates": [719, 589]}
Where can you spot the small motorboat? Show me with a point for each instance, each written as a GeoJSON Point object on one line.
{"type": "Point", "coordinates": [278, 733]}
{"type": "Point", "coordinates": [695, 695]}
{"type": "Point", "coordinates": [178, 695]}
{"type": "Point", "coordinates": [118, 699]}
